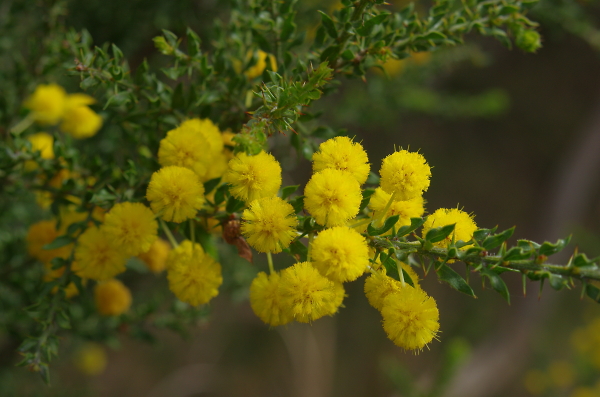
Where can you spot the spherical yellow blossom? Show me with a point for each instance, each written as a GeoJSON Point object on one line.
{"type": "Point", "coordinates": [341, 153]}
{"type": "Point", "coordinates": [379, 285]}
{"type": "Point", "coordinates": [195, 144]}
{"type": "Point", "coordinates": [41, 142]}
{"type": "Point", "coordinates": [95, 256]}
{"type": "Point", "coordinates": [340, 254]}
{"type": "Point", "coordinates": [266, 300]}
{"type": "Point", "coordinates": [175, 193]}
{"type": "Point", "coordinates": [42, 233]}
{"type": "Point", "coordinates": [78, 99]}
{"type": "Point", "coordinates": [253, 177]}
{"type": "Point", "coordinates": [91, 359]}
{"type": "Point", "coordinates": [47, 103]}
{"type": "Point", "coordinates": [227, 137]}
{"type": "Point", "coordinates": [218, 166]}
{"type": "Point", "coordinates": [131, 227]}
{"type": "Point", "coordinates": [562, 373]}
{"type": "Point", "coordinates": [261, 64]}
{"type": "Point", "coordinates": [307, 294]}
{"type": "Point", "coordinates": [81, 122]}
{"type": "Point", "coordinates": [269, 224]}
{"type": "Point", "coordinates": [194, 276]}
{"type": "Point", "coordinates": [463, 229]}
{"type": "Point", "coordinates": [112, 298]}
{"type": "Point", "coordinates": [332, 197]}
{"type": "Point", "coordinates": [410, 318]}
{"type": "Point", "coordinates": [156, 258]}
{"type": "Point", "coordinates": [413, 208]}
{"type": "Point", "coordinates": [406, 174]}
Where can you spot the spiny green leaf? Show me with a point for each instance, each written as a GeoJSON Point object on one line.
{"type": "Point", "coordinates": [288, 191]}
{"type": "Point", "coordinates": [448, 275]}
{"type": "Point", "coordinates": [495, 240]}
{"type": "Point", "coordinates": [439, 233]}
{"type": "Point", "coordinates": [389, 223]}
{"type": "Point", "coordinates": [480, 234]}
{"type": "Point", "coordinates": [497, 283]}
{"type": "Point", "coordinates": [548, 248]}
{"type": "Point", "coordinates": [415, 223]}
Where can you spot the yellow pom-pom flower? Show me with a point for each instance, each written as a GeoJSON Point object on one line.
{"type": "Point", "coordinates": [379, 285]}
{"type": "Point", "coordinates": [269, 224]}
{"type": "Point", "coordinates": [175, 193]}
{"type": "Point", "coordinates": [194, 276]}
{"type": "Point", "coordinates": [412, 208]}
{"type": "Point", "coordinates": [253, 177]}
{"type": "Point", "coordinates": [40, 234]}
{"type": "Point", "coordinates": [96, 257]}
{"type": "Point", "coordinates": [41, 142]}
{"type": "Point", "coordinates": [340, 254]}
{"type": "Point", "coordinates": [112, 298]}
{"type": "Point", "coordinates": [81, 122]}
{"type": "Point", "coordinates": [195, 144]}
{"type": "Point", "coordinates": [131, 227]}
{"type": "Point", "coordinates": [266, 300]}
{"type": "Point", "coordinates": [405, 175]}
{"type": "Point", "coordinates": [341, 153]}
{"type": "Point", "coordinates": [463, 229]}
{"type": "Point", "coordinates": [156, 258]}
{"type": "Point", "coordinates": [307, 294]}
{"type": "Point", "coordinates": [332, 197]}
{"type": "Point", "coordinates": [410, 318]}
{"type": "Point", "coordinates": [47, 103]}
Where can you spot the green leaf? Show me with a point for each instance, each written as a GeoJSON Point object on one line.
{"type": "Point", "coordinates": [299, 249]}
{"type": "Point", "coordinates": [480, 234]}
{"type": "Point", "coordinates": [389, 223]}
{"type": "Point", "coordinates": [581, 260]}
{"type": "Point", "coordinates": [548, 248]}
{"type": "Point", "coordinates": [211, 184]}
{"type": "Point", "coordinates": [368, 26]}
{"type": "Point", "coordinates": [329, 25]}
{"type": "Point", "coordinates": [592, 292]}
{"type": "Point", "coordinates": [298, 203]}
{"type": "Point", "coordinates": [178, 99]}
{"type": "Point", "coordinates": [439, 233]}
{"type": "Point", "coordinates": [234, 205]}
{"type": "Point", "coordinates": [415, 223]}
{"type": "Point", "coordinates": [495, 240]}
{"type": "Point", "coordinates": [193, 42]}
{"type": "Point", "coordinates": [448, 275]}
{"type": "Point", "coordinates": [58, 242]}
{"type": "Point", "coordinates": [557, 282]}
{"type": "Point", "coordinates": [515, 254]}
{"type": "Point", "coordinates": [221, 193]}
{"type": "Point", "coordinates": [88, 82]}
{"type": "Point", "coordinates": [288, 28]}
{"type": "Point", "coordinates": [497, 283]}
{"type": "Point", "coordinates": [288, 191]}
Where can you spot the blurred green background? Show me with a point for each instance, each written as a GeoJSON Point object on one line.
{"type": "Point", "coordinates": [512, 137]}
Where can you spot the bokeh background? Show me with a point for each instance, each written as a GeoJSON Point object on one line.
{"type": "Point", "coordinates": [514, 138]}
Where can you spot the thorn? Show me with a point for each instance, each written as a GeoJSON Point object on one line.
{"type": "Point", "coordinates": [541, 287]}
{"type": "Point", "coordinates": [524, 278]}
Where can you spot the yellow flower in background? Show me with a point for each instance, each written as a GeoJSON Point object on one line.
{"type": "Point", "coordinates": [42, 233]}
{"type": "Point", "coordinates": [405, 174]}
{"type": "Point", "coordinates": [307, 294]}
{"type": "Point", "coordinates": [41, 142]}
{"type": "Point", "coordinates": [91, 359]}
{"type": "Point", "coordinates": [156, 257]}
{"type": "Point", "coordinates": [131, 227]}
{"type": "Point", "coordinates": [95, 256]}
{"type": "Point", "coordinates": [261, 64]}
{"type": "Point", "coordinates": [463, 229]}
{"type": "Point", "coordinates": [266, 300]}
{"type": "Point", "coordinates": [332, 197]}
{"type": "Point", "coordinates": [81, 122]}
{"type": "Point", "coordinates": [253, 177]}
{"type": "Point", "coordinates": [341, 153]}
{"type": "Point", "coordinates": [194, 276]}
{"type": "Point", "coordinates": [78, 99]}
{"type": "Point", "coordinates": [47, 103]}
{"type": "Point", "coordinates": [340, 254]}
{"type": "Point", "coordinates": [410, 318]}
{"type": "Point", "coordinates": [562, 373]}
{"type": "Point", "coordinates": [413, 208]}
{"type": "Point", "coordinates": [175, 193]}
{"type": "Point", "coordinates": [269, 224]}
{"type": "Point", "coordinates": [112, 298]}
{"type": "Point", "coordinates": [218, 167]}
{"type": "Point", "coordinates": [535, 382]}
